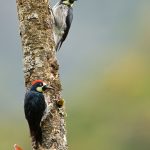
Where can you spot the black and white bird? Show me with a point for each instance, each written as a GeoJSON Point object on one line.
{"type": "Point", "coordinates": [34, 108]}
{"type": "Point", "coordinates": [63, 16]}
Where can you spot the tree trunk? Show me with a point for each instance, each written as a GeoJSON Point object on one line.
{"type": "Point", "coordinates": [36, 27]}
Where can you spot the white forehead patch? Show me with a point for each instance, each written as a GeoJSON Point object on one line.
{"type": "Point", "coordinates": [44, 83]}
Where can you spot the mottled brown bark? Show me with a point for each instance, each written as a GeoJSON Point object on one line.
{"type": "Point", "coordinates": [36, 26]}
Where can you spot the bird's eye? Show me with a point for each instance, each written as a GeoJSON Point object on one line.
{"type": "Point", "coordinates": [41, 84]}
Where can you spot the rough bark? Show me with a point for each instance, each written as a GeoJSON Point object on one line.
{"type": "Point", "coordinates": [36, 26]}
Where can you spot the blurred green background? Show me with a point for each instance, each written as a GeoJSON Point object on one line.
{"type": "Point", "coordinates": [105, 73]}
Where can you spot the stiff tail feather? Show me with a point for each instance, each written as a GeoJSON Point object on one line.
{"type": "Point", "coordinates": [36, 133]}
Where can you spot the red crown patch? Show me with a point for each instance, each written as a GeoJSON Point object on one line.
{"type": "Point", "coordinates": [36, 81]}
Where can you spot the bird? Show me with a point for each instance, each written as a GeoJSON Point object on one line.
{"type": "Point", "coordinates": [34, 108]}
{"type": "Point", "coordinates": [63, 16]}
{"type": "Point", "coordinates": [16, 147]}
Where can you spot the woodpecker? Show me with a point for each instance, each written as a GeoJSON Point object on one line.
{"type": "Point", "coordinates": [63, 16]}
{"type": "Point", "coordinates": [16, 147]}
{"type": "Point", "coordinates": [34, 108]}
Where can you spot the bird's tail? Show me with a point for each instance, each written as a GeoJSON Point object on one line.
{"type": "Point", "coordinates": [36, 133]}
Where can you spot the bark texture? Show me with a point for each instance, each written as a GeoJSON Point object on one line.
{"type": "Point", "coordinates": [36, 27]}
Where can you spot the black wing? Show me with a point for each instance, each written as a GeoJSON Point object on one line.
{"type": "Point", "coordinates": [34, 107]}
{"type": "Point", "coordinates": [69, 19]}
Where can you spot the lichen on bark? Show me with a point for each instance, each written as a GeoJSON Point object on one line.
{"type": "Point", "coordinates": [39, 59]}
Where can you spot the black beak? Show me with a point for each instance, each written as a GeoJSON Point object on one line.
{"type": "Point", "coordinates": [45, 87]}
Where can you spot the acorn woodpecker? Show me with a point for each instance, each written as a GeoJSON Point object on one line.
{"type": "Point", "coordinates": [34, 108]}
{"type": "Point", "coordinates": [16, 147]}
{"type": "Point", "coordinates": [63, 15]}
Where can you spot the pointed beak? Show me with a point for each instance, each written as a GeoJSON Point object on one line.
{"type": "Point", "coordinates": [46, 87]}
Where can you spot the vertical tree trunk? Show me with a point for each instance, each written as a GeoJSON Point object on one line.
{"type": "Point", "coordinates": [36, 26]}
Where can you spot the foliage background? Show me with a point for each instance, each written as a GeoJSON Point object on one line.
{"type": "Point", "coordinates": [104, 67]}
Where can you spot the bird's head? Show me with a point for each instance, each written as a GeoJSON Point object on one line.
{"type": "Point", "coordinates": [72, 1]}
{"type": "Point", "coordinates": [39, 86]}
{"type": "Point", "coordinates": [16, 147]}
{"type": "Point", "coordinates": [68, 2]}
